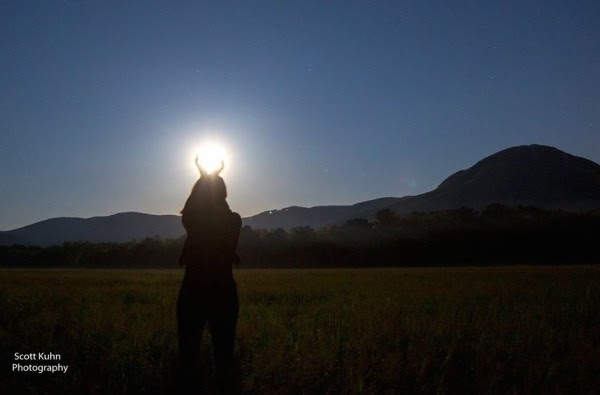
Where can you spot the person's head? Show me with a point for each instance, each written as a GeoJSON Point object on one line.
{"type": "Point", "coordinates": [209, 190]}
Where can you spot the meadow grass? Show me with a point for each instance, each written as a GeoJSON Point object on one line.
{"type": "Point", "coordinates": [405, 330]}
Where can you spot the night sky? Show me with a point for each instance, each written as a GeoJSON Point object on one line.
{"type": "Point", "coordinates": [102, 103]}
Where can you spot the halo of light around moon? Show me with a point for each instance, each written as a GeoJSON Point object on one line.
{"type": "Point", "coordinates": [210, 156]}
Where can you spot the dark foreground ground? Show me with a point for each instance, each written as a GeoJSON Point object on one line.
{"type": "Point", "coordinates": [459, 330]}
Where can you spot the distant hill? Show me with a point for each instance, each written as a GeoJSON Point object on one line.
{"type": "Point", "coordinates": [318, 216]}
{"type": "Point", "coordinates": [120, 227]}
{"type": "Point", "coordinates": [533, 175]}
{"type": "Point", "coordinates": [529, 175]}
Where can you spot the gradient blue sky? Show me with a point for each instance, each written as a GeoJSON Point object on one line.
{"type": "Point", "coordinates": [318, 102]}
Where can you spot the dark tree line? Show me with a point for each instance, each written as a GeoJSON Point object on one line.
{"type": "Point", "coordinates": [496, 235]}
{"type": "Point", "coordinates": [150, 252]}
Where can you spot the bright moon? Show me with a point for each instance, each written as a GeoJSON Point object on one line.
{"type": "Point", "coordinates": [210, 156]}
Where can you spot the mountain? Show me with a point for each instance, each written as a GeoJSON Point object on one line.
{"type": "Point", "coordinates": [318, 216]}
{"type": "Point", "coordinates": [532, 175]}
{"type": "Point", "coordinates": [529, 175]}
{"type": "Point", "coordinates": [120, 227]}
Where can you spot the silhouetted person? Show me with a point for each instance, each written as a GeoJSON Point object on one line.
{"type": "Point", "coordinates": [208, 293]}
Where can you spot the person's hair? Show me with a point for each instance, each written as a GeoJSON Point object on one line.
{"type": "Point", "coordinates": [208, 192]}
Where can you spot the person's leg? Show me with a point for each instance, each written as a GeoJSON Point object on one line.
{"type": "Point", "coordinates": [190, 325]}
{"type": "Point", "coordinates": [222, 323]}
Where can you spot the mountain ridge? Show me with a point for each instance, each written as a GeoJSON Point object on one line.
{"type": "Point", "coordinates": [534, 175]}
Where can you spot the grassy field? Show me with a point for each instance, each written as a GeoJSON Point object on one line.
{"type": "Point", "coordinates": [423, 330]}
